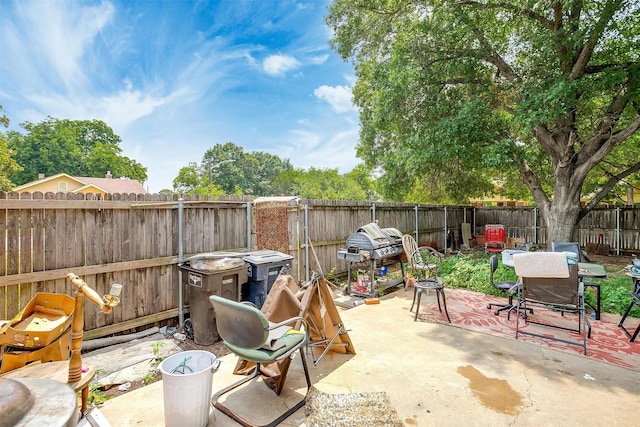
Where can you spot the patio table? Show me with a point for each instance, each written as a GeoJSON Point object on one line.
{"type": "Point", "coordinates": [592, 271]}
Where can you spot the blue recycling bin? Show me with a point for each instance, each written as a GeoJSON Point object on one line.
{"type": "Point", "coordinates": [264, 268]}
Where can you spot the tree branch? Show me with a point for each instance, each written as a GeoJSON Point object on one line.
{"type": "Point", "coordinates": [547, 142]}
{"type": "Point", "coordinates": [586, 161]}
{"type": "Point", "coordinates": [595, 69]}
{"type": "Point", "coordinates": [613, 180]}
{"type": "Point", "coordinates": [587, 50]}
{"type": "Point", "coordinates": [492, 57]}
{"type": "Point", "coordinates": [547, 23]}
{"type": "Point", "coordinates": [603, 133]}
{"type": "Point", "coordinates": [539, 195]}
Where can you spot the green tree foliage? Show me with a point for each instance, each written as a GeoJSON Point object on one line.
{"type": "Point", "coordinates": [8, 166]}
{"type": "Point", "coordinates": [457, 96]}
{"type": "Point", "coordinates": [190, 180]}
{"type": "Point", "coordinates": [327, 184]}
{"type": "Point", "coordinates": [74, 147]}
{"type": "Point", "coordinates": [623, 192]}
{"type": "Point", "coordinates": [227, 169]}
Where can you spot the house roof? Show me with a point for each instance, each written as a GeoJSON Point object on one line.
{"type": "Point", "coordinates": [114, 185]}
{"type": "Point", "coordinates": [107, 185]}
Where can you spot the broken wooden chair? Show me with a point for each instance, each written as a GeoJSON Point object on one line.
{"type": "Point", "coordinates": [68, 371]}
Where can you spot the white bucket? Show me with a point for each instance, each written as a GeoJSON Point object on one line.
{"type": "Point", "coordinates": [186, 382]}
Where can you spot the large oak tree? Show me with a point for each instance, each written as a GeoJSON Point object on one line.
{"type": "Point", "coordinates": [458, 96]}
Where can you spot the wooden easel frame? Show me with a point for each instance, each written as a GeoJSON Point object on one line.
{"type": "Point", "coordinates": [327, 330]}
{"type": "Point", "coordinates": [314, 302]}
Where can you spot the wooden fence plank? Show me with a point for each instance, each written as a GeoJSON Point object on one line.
{"type": "Point", "coordinates": [26, 290]}
{"type": "Point", "coordinates": [3, 258]}
{"type": "Point", "coordinates": [13, 258]}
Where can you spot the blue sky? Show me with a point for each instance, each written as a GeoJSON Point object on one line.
{"type": "Point", "coordinates": [174, 78]}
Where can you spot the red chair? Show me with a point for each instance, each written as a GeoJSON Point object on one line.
{"type": "Point", "coordinates": [495, 238]}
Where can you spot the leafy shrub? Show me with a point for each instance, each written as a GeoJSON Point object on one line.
{"type": "Point", "coordinates": [615, 295]}
{"type": "Point", "coordinates": [468, 271]}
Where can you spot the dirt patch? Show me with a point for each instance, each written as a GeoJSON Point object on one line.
{"type": "Point", "coordinates": [218, 348]}
{"type": "Point", "coordinates": [612, 263]}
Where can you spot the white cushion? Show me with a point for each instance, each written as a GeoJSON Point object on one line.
{"type": "Point", "coordinates": [541, 264]}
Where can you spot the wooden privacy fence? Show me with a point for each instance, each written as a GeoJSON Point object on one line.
{"type": "Point", "coordinates": [138, 241]}
{"type": "Point", "coordinates": [128, 239]}
{"type": "Point", "coordinates": [617, 227]}
{"type": "Point", "coordinates": [326, 224]}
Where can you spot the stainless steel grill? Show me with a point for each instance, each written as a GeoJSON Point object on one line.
{"type": "Point", "coordinates": [371, 241]}
{"type": "Point", "coordinates": [378, 246]}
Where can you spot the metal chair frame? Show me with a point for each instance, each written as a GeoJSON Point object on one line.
{"type": "Point", "coordinates": [574, 247]}
{"type": "Point", "coordinates": [635, 301]}
{"type": "Point", "coordinates": [565, 295]}
{"type": "Point", "coordinates": [244, 330]}
{"type": "Point", "coordinates": [425, 262]}
{"type": "Point", "coordinates": [509, 287]}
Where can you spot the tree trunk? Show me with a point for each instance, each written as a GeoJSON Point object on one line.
{"type": "Point", "coordinates": [563, 212]}
{"type": "Point", "coordinates": [630, 197]}
{"type": "Point", "coordinates": [562, 224]}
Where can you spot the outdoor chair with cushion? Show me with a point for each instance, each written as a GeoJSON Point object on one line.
{"type": "Point", "coordinates": [508, 287]}
{"type": "Point", "coordinates": [549, 282]}
{"type": "Point", "coordinates": [574, 247]}
{"type": "Point", "coordinates": [425, 262]}
{"type": "Point", "coordinates": [246, 332]}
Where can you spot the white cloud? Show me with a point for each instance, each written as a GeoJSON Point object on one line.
{"type": "Point", "coordinates": [339, 97]}
{"type": "Point", "coordinates": [127, 106]}
{"type": "Point", "coordinates": [59, 36]}
{"type": "Point", "coordinates": [318, 60]}
{"type": "Point", "coordinates": [350, 78]}
{"type": "Point", "coordinates": [118, 111]}
{"type": "Point", "coordinates": [321, 149]}
{"type": "Point", "coordinates": [277, 65]}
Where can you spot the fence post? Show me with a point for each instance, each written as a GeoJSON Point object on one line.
{"type": "Point", "coordinates": [535, 225]}
{"type": "Point", "coordinates": [306, 243]}
{"type": "Point", "coordinates": [415, 208]}
{"type": "Point", "coordinates": [180, 259]}
{"type": "Point", "coordinates": [249, 207]}
{"type": "Point", "coordinates": [373, 212]}
{"type": "Point", "coordinates": [618, 230]}
{"type": "Point", "coordinates": [446, 238]}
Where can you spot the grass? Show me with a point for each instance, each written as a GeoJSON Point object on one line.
{"type": "Point", "coordinates": [96, 395]}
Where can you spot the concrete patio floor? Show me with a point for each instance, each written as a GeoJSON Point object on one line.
{"type": "Point", "coordinates": [434, 374]}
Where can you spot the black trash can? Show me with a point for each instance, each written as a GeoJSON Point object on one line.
{"type": "Point", "coordinates": [222, 277]}
{"type": "Point", "coordinates": [265, 267]}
